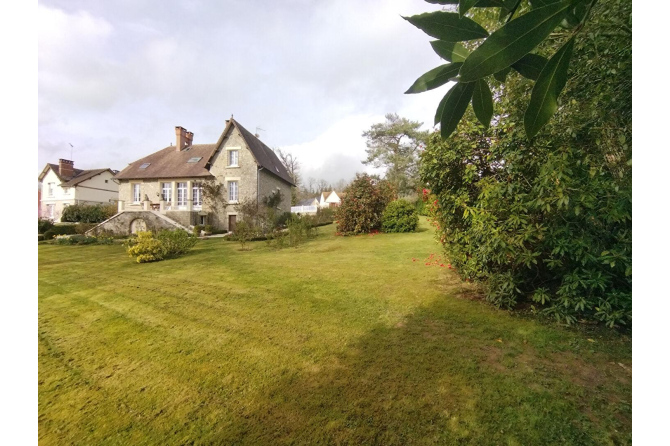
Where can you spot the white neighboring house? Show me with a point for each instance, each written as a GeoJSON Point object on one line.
{"type": "Point", "coordinates": [63, 185]}
{"type": "Point", "coordinates": [308, 206]}
{"type": "Point", "coordinates": [329, 200]}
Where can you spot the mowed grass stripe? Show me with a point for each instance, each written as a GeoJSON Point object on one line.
{"type": "Point", "coordinates": [343, 340]}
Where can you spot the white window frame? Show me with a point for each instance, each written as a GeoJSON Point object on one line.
{"type": "Point", "coordinates": [50, 211]}
{"type": "Point", "coordinates": [50, 189]}
{"type": "Point", "coordinates": [182, 194]}
{"type": "Point", "coordinates": [233, 192]}
{"type": "Point", "coordinates": [236, 154]}
{"type": "Point", "coordinates": [166, 192]}
{"type": "Point", "coordinates": [137, 193]}
{"type": "Point", "coordinates": [197, 196]}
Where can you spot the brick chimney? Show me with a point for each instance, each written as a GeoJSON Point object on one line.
{"type": "Point", "coordinates": [184, 138]}
{"type": "Point", "coordinates": [65, 168]}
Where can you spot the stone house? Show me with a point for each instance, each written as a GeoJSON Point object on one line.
{"type": "Point", "coordinates": [199, 184]}
{"type": "Point", "coordinates": [62, 185]}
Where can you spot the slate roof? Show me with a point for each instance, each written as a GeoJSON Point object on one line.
{"type": "Point", "coordinates": [79, 175]}
{"type": "Point", "coordinates": [264, 155]}
{"type": "Point", "coordinates": [170, 163]}
{"type": "Point", "coordinates": [308, 202]}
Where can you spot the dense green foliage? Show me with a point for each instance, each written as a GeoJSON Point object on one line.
{"type": "Point", "coordinates": [549, 220]}
{"type": "Point", "coordinates": [521, 27]}
{"type": "Point", "coordinates": [400, 216]}
{"type": "Point", "coordinates": [395, 145]}
{"type": "Point", "coordinates": [166, 244]}
{"type": "Point", "coordinates": [88, 213]}
{"type": "Point", "coordinates": [363, 204]}
{"type": "Point", "coordinates": [60, 230]}
{"type": "Point", "coordinates": [43, 225]}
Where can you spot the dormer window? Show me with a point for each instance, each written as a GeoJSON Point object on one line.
{"type": "Point", "coordinates": [145, 165]}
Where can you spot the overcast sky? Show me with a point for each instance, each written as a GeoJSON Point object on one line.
{"type": "Point", "coordinates": [116, 77]}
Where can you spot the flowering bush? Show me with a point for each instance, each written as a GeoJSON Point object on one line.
{"type": "Point", "coordinates": [400, 216]}
{"type": "Point", "coordinates": [363, 204]}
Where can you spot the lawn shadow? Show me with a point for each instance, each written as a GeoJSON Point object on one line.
{"type": "Point", "coordinates": [434, 378]}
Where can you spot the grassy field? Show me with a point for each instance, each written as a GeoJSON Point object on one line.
{"type": "Point", "coordinates": [350, 340]}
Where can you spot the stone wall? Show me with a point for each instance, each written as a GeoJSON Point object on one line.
{"type": "Point", "coordinates": [270, 183]}
{"type": "Point", "coordinates": [121, 223]}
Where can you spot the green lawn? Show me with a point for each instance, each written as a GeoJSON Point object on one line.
{"type": "Point", "coordinates": [340, 341]}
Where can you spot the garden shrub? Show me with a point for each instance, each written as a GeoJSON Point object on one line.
{"type": "Point", "coordinates": [325, 216]}
{"type": "Point", "coordinates": [548, 221]}
{"type": "Point", "coordinates": [209, 229]}
{"type": "Point", "coordinates": [176, 242]}
{"type": "Point", "coordinates": [300, 228]}
{"type": "Point", "coordinates": [365, 200]}
{"type": "Point", "coordinates": [196, 230]}
{"type": "Point", "coordinates": [145, 248]}
{"type": "Point", "coordinates": [43, 225]}
{"type": "Point", "coordinates": [282, 219]}
{"type": "Point", "coordinates": [243, 233]}
{"type": "Point", "coordinates": [87, 213]}
{"type": "Point", "coordinates": [166, 244]}
{"type": "Point", "coordinates": [400, 216]}
{"type": "Point", "coordinates": [60, 230]}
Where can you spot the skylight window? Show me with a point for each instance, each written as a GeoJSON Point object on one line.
{"type": "Point", "coordinates": [145, 165]}
{"type": "Point", "coordinates": [195, 159]}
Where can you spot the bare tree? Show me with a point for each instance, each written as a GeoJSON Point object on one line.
{"type": "Point", "coordinates": [291, 164]}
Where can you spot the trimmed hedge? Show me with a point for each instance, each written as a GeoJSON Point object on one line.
{"type": "Point", "coordinates": [85, 213]}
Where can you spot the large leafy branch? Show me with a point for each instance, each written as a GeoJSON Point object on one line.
{"type": "Point", "coordinates": [507, 48]}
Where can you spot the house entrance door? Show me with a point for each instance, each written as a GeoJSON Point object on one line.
{"type": "Point", "coordinates": [232, 223]}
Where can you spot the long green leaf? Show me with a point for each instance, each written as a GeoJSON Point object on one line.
{"type": "Point", "coordinates": [482, 102]}
{"type": "Point", "coordinates": [453, 106]}
{"type": "Point", "coordinates": [447, 26]}
{"type": "Point", "coordinates": [550, 83]}
{"type": "Point", "coordinates": [502, 74]}
{"type": "Point", "coordinates": [450, 51]}
{"type": "Point", "coordinates": [465, 5]}
{"type": "Point", "coordinates": [530, 65]}
{"type": "Point", "coordinates": [513, 41]}
{"type": "Point", "coordinates": [435, 78]}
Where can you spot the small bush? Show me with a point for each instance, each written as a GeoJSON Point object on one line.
{"type": "Point", "coordinates": [145, 248]}
{"type": "Point", "coordinates": [165, 245]}
{"type": "Point", "coordinates": [196, 230]}
{"type": "Point", "coordinates": [400, 216]}
{"type": "Point", "coordinates": [176, 243]}
{"type": "Point", "coordinates": [282, 219]}
{"type": "Point", "coordinates": [325, 216]}
{"type": "Point", "coordinates": [209, 229]}
{"type": "Point", "coordinates": [60, 230]}
{"type": "Point", "coordinates": [40, 237]}
{"type": "Point", "coordinates": [243, 233]}
{"type": "Point", "coordinates": [43, 225]}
